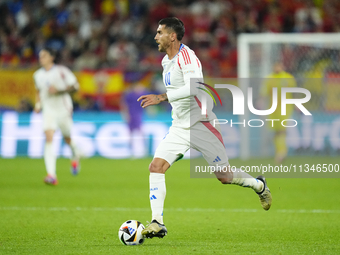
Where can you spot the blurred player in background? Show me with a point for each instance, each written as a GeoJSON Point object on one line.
{"type": "Point", "coordinates": [190, 129]}
{"type": "Point", "coordinates": [278, 79]}
{"type": "Point", "coordinates": [132, 113]}
{"type": "Point", "coordinates": [54, 83]}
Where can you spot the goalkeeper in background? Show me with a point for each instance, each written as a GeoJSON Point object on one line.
{"type": "Point", "coordinates": [278, 79]}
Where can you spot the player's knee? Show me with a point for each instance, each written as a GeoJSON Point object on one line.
{"type": "Point", "coordinates": [67, 140]}
{"type": "Point", "coordinates": [49, 139]}
{"type": "Point", "coordinates": [155, 167]}
{"type": "Point", "coordinates": [49, 136]}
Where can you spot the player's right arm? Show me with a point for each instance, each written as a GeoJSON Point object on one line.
{"type": "Point", "coordinates": [38, 105]}
{"type": "Point", "coordinates": [191, 69]}
{"type": "Point", "coordinates": [152, 99]}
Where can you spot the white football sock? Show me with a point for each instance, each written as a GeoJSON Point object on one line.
{"type": "Point", "coordinates": [246, 180]}
{"type": "Point", "coordinates": [74, 150]}
{"type": "Point", "coordinates": [50, 159]}
{"type": "Point", "coordinates": [157, 195]}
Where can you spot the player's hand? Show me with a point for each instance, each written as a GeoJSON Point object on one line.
{"type": "Point", "coordinates": [151, 99]}
{"type": "Point", "coordinates": [37, 107]}
{"type": "Point", "coordinates": [36, 110]}
{"type": "Point", "coordinates": [52, 90]}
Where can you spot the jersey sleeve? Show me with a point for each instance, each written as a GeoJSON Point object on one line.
{"type": "Point", "coordinates": [69, 78]}
{"type": "Point", "coordinates": [191, 69]}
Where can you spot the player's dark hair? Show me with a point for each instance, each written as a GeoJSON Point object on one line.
{"type": "Point", "coordinates": [174, 24]}
{"type": "Point", "coordinates": [51, 51]}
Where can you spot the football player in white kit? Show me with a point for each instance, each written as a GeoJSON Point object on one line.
{"type": "Point", "coordinates": [54, 83]}
{"type": "Point", "coordinates": [180, 64]}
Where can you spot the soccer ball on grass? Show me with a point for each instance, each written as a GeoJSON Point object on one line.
{"type": "Point", "coordinates": [130, 233]}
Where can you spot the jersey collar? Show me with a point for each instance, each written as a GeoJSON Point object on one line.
{"type": "Point", "coordinates": [180, 48]}
{"type": "Point", "coordinates": [50, 69]}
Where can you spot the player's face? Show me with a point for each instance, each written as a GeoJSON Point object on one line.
{"type": "Point", "coordinates": [45, 58]}
{"type": "Point", "coordinates": [278, 67]}
{"type": "Point", "coordinates": [163, 38]}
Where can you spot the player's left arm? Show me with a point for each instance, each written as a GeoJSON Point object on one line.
{"type": "Point", "coordinates": [69, 90]}
{"type": "Point", "coordinates": [38, 105]}
{"type": "Point", "coordinates": [70, 80]}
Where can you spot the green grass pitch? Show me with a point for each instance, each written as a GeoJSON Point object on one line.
{"type": "Point", "coordinates": [83, 213]}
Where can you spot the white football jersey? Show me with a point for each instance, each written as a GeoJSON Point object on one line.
{"type": "Point", "coordinates": [184, 98]}
{"type": "Point", "coordinates": [60, 77]}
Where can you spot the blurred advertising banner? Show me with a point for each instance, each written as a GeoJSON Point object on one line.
{"type": "Point", "coordinates": [107, 135]}
{"type": "Point", "coordinates": [97, 134]}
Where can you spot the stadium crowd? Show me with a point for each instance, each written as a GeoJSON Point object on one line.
{"type": "Point", "coordinates": [120, 33]}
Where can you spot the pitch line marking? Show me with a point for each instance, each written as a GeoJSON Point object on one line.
{"type": "Point", "coordinates": [117, 209]}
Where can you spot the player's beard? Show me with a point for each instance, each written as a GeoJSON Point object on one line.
{"type": "Point", "coordinates": [162, 47]}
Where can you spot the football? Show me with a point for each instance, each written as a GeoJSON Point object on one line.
{"type": "Point", "coordinates": [130, 233]}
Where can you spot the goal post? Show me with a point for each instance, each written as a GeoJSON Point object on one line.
{"type": "Point", "coordinates": [304, 56]}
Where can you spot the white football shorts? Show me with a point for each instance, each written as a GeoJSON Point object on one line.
{"type": "Point", "coordinates": [62, 121]}
{"type": "Point", "coordinates": [202, 136]}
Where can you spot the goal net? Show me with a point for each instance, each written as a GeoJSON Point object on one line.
{"type": "Point", "coordinates": [314, 61]}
